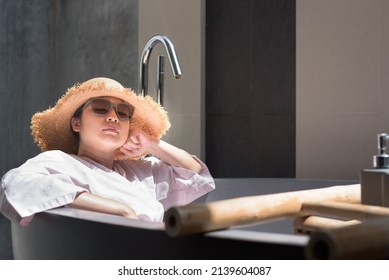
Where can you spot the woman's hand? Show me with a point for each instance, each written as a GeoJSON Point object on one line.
{"type": "Point", "coordinates": [138, 144]}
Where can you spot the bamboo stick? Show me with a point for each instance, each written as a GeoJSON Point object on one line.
{"type": "Point", "coordinates": [367, 240]}
{"type": "Point", "coordinates": [341, 210]}
{"type": "Point", "coordinates": [309, 224]}
{"type": "Point", "coordinates": [198, 218]}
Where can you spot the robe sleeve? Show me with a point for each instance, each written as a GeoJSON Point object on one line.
{"type": "Point", "coordinates": [177, 186]}
{"type": "Point", "coordinates": [40, 184]}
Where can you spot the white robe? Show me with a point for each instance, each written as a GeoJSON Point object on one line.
{"type": "Point", "coordinates": [53, 179]}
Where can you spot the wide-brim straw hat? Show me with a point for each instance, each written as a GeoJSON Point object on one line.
{"type": "Point", "coordinates": [51, 129]}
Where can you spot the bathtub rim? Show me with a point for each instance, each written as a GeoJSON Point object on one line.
{"type": "Point", "coordinates": [237, 233]}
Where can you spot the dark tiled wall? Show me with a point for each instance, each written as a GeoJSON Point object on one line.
{"type": "Point", "coordinates": [47, 46]}
{"type": "Point", "coordinates": [250, 88]}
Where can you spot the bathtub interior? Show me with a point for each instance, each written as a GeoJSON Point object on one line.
{"type": "Point", "coordinates": [66, 233]}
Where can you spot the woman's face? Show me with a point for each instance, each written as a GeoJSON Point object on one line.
{"type": "Point", "coordinates": [104, 133]}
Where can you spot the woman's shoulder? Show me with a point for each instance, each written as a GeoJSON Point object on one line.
{"type": "Point", "coordinates": [48, 160]}
{"type": "Point", "coordinates": [53, 154]}
{"type": "Point", "coordinates": [48, 157]}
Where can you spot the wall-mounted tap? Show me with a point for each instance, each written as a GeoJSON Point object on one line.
{"type": "Point", "coordinates": [144, 65]}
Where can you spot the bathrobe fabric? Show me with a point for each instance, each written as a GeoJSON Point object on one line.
{"type": "Point", "coordinates": [54, 179]}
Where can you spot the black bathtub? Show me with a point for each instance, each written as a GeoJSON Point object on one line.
{"type": "Point", "coordinates": [66, 233]}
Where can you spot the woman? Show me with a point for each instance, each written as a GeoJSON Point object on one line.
{"type": "Point", "coordinates": [94, 143]}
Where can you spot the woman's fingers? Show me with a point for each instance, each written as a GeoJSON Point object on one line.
{"type": "Point", "coordinates": [131, 144]}
{"type": "Point", "coordinates": [134, 139]}
{"type": "Point", "coordinates": [131, 152]}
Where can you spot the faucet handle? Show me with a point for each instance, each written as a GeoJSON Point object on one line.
{"type": "Point", "coordinates": [381, 160]}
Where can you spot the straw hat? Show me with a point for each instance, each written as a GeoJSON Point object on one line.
{"type": "Point", "coordinates": [51, 129]}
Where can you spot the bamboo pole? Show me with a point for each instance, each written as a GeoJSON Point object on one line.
{"type": "Point", "coordinates": [367, 240]}
{"type": "Point", "coordinates": [341, 210]}
{"type": "Point", "coordinates": [217, 215]}
{"type": "Point", "coordinates": [309, 224]}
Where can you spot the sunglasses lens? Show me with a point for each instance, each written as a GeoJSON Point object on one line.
{"type": "Point", "coordinates": [101, 107]}
{"type": "Point", "coordinates": [125, 111]}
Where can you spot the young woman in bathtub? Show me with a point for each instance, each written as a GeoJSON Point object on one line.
{"type": "Point", "coordinates": [94, 142]}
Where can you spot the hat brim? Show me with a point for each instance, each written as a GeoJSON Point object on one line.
{"type": "Point", "coordinates": [51, 129]}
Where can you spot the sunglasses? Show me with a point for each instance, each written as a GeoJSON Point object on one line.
{"type": "Point", "coordinates": [103, 107]}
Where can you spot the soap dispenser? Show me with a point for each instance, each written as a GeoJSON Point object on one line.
{"type": "Point", "coordinates": [375, 182]}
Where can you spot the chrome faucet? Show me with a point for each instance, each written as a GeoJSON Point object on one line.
{"type": "Point", "coordinates": [144, 65]}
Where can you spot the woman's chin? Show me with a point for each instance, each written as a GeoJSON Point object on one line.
{"type": "Point", "coordinates": [110, 147]}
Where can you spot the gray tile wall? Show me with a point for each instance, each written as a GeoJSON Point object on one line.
{"type": "Point", "coordinates": [45, 47]}
{"type": "Point", "coordinates": [250, 88]}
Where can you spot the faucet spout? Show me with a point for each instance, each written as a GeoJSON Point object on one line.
{"type": "Point", "coordinates": [144, 65]}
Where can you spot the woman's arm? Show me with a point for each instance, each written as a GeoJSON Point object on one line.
{"type": "Point", "coordinates": [139, 143]}
{"type": "Point", "coordinates": [91, 202]}
{"type": "Point", "coordinates": [174, 156]}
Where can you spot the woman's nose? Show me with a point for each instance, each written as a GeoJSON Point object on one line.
{"type": "Point", "coordinates": [112, 116]}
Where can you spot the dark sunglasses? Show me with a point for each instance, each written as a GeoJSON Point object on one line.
{"type": "Point", "coordinates": [102, 107]}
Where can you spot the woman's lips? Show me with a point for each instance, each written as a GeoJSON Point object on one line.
{"type": "Point", "coordinates": [111, 129]}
